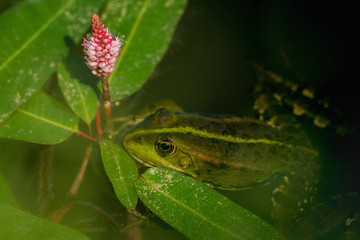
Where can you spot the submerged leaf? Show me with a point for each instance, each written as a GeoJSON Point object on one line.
{"type": "Point", "coordinates": [197, 210]}
{"type": "Point", "coordinates": [42, 120]}
{"type": "Point", "coordinates": [17, 224]}
{"type": "Point", "coordinates": [148, 27]}
{"type": "Point", "coordinates": [122, 172]}
{"type": "Point", "coordinates": [32, 43]}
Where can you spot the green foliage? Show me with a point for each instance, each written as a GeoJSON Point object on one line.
{"type": "Point", "coordinates": [197, 210]}
{"type": "Point", "coordinates": [80, 96]}
{"type": "Point", "coordinates": [5, 194]}
{"type": "Point", "coordinates": [148, 26]}
{"type": "Point", "coordinates": [122, 172]}
{"type": "Point", "coordinates": [32, 43]}
{"type": "Point", "coordinates": [17, 224]}
{"type": "Point", "coordinates": [42, 120]}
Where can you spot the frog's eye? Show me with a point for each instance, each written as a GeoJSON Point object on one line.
{"type": "Point", "coordinates": [165, 146]}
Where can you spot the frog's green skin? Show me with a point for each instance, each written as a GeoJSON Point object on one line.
{"type": "Point", "coordinates": [231, 153]}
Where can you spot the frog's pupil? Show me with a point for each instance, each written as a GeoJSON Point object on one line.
{"type": "Point", "coordinates": [165, 146]}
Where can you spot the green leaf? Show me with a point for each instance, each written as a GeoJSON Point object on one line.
{"type": "Point", "coordinates": [42, 120]}
{"type": "Point", "coordinates": [122, 172]}
{"type": "Point", "coordinates": [5, 193]}
{"type": "Point", "coordinates": [17, 224]}
{"type": "Point", "coordinates": [78, 93]}
{"type": "Point", "coordinates": [32, 44]}
{"type": "Point", "coordinates": [197, 210]}
{"type": "Point", "coordinates": [148, 27]}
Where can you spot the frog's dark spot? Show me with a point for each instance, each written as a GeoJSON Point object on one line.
{"type": "Point", "coordinates": [276, 134]}
{"type": "Point", "coordinates": [228, 130]}
{"type": "Point", "coordinates": [223, 165]}
{"type": "Point", "coordinates": [273, 150]}
{"type": "Point", "coordinates": [251, 145]}
{"type": "Point", "coordinates": [295, 155]}
{"type": "Point", "coordinates": [214, 140]}
{"type": "Point", "coordinates": [245, 136]}
{"type": "Point", "coordinates": [245, 155]}
{"type": "Point", "coordinates": [257, 155]}
{"type": "Point", "coordinates": [139, 139]}
{"type": "Point", "coordinates": [254, 126]}
{"type": "Point", "coordinates": [232, 145]}
{"type": "Point", "coordinates": [283, 155]}
{"type": "Point", "coordinates": [268, 136]}
{"type": "Point", "coordinates": [290, 139]}
{"type": "Point", "coordinates": [224, 133]}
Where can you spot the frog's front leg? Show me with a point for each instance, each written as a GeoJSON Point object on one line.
{"type": "Point", "coordinates": [293, 194]}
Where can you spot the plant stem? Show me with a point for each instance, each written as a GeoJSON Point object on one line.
{"type": "Point", "coordinates": [80, 175]}
{"type": "Point", "coordinates": [58, 214]}
{"type": "Point", "coordinates": [98, 122]}
{"type": "Point", "coordinates": [104, 214]}
{"type": "Point", "coordinates": [107, 104]}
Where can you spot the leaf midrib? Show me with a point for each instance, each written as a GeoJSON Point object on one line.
{"type": "Point", "coordinates": [47, 120]}
{"type": "Point", "coordinates": [35, 35]}
{"type": "Point", "coordinates": [191, 210]}
{"type": "Point", "coordinates": [118, 168]}
{"type": "Point", "coordinates": [135, 26]}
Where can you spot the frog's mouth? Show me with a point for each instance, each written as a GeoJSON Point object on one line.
{"type": "Point", "coordinates": [140, 161]}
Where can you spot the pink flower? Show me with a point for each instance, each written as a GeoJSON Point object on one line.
{"type": "Point", "coordinates": [102, 49]}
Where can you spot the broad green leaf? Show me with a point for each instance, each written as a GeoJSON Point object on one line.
{"type": "Point", "coordinates": [32, 43]}
{"type": "Point", "coordinates": [5, 193]}
{"type": "Point", "coordinates": [122, 172]}
{"type": "Point", "coordinates": [148, 27]}
{"type": "Point", "coordinates": [78, 93]}
{"type": "Point", "coordinates": [42, 120]}
{"type": "Point", "coordinates": [17, 224]}
{"type": "Point", "coordinates": [197, 210]}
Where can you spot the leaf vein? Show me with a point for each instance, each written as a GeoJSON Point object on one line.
{"type": "Point", "coordinates": [195, 212]}
{"type": "Point", "coordinates": [46, 120]}
{"type": "Point", "coordinates": [131, 35]}
{"type": "Point", "coordinates": [35, 35]}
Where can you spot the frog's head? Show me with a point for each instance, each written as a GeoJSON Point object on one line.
{"type": "Point", "coordinates": [152, 143]}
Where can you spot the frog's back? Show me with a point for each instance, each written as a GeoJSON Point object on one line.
{"type": "Point", "coordinates": [241, 152]}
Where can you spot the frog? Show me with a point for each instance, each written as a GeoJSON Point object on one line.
{"type": "Point", "coordinates": [235, 153]}
{"type": "Point", "coordinates": [232, 153]}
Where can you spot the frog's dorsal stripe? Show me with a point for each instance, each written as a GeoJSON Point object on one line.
{"type": "Point", "coordinates": [226, 138]}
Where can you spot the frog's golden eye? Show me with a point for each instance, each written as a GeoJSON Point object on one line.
{"type": "Point", "coordinates": [165, 146]}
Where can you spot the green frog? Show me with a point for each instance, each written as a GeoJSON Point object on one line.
{"type": "Point", "coordinates": [232, 153]}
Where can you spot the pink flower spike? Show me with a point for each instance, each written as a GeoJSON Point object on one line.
{"type": "Point", "coordinates": [101, 49]}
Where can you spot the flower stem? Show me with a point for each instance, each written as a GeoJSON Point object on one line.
{"type": "Point", "coordinates": [107, 104]}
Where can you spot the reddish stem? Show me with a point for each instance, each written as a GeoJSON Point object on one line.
{"type": "Point", "coordinates": [87, 136]}
{"type": "Point", "coordinates": [98, 121]}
